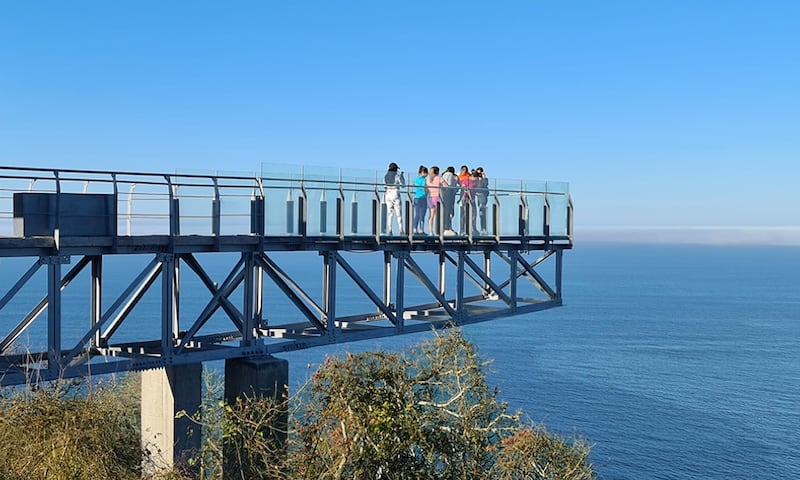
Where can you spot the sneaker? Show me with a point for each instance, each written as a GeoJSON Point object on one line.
{"type": "Point", "coordinates": [449, 232]}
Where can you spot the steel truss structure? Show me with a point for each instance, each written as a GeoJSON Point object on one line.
{"type": "Point", "coordinates": [463, 280]}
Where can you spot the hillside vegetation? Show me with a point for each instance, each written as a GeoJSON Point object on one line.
{"type": "Point", "coordinates": [426, 413]}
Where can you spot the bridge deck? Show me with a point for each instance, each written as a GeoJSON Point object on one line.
{"type": "Point", "coordinates": [65, 223]}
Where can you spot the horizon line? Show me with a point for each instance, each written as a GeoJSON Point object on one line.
{"type": "Point", "coordinates": [771, 235]}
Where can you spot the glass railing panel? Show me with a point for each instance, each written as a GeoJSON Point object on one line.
{"type": "Point", "coordinates": [558, 213]}
{"type": "Point", "coordinates": [534, 187]}
{"type": "Point", "coordinates": [195, 209]}
{"type": "Point", "coordinates": [321, 209]}
{"type": "Point", "coordinates": [535, 220]}
{"type": "Point", "coordinates": [235, 207]}
{"type": "Point", "coordinates": [507, 193]}
{"type": "Point", "coordinates": [282, 209]}
{"type": "Point", "coordinates": [558, 187]}
{"type": "Point", "coordinates": [509, 212]}
{"type": "Point", "coordinates": [358, 209]}
{"type": "Point", "coordinates": [146, 210]}
{"type": "Point", "coordinates": [322, 189]}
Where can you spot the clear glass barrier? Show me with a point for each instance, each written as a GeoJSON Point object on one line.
{"type": "Point", "coordinates": [558, 213]}
{"type": "Point", "coordinates": [223, 202]}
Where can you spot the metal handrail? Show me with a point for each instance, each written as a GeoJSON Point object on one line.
{"type": "Point", "coordinates": [145, 190]}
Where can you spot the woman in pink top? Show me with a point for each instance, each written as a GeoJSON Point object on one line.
{"type": "Point", "coordinates": [434, 183]}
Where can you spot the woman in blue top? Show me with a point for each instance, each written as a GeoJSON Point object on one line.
{"type": "Point", "coordinates": [420, 200]}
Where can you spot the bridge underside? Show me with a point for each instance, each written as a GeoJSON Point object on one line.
{"type": "Point", "coordinates": [253, 301]}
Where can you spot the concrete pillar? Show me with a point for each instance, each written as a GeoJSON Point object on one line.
{"type": "Point", "coordinates": [165, 392]}
{"type": "Point", "coordinates": [265, 376]}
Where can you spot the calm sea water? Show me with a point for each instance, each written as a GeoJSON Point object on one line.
{"type": "Point", "coordinates": [674, 362]}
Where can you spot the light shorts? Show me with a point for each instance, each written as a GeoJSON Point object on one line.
{"type": "Point", "coordinates": [432, 201]}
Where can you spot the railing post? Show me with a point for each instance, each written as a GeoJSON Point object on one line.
{"type": "Point", "coordinates": [57, 229]}
{"type": "Point", "coordinates": [354, 214]}
{"type": "Point", "coordinates": [340, 213]}
{"type": "Point", "coordinates": [216, 211]}
{"type": "Point", "coordinates": [289, 212]}
{"type": "Point", "coordinates": [496, 217]}
{"type": "Point", "coordinates": [302, 201]}
{"type": "Point", "coordinates": [376, 226]}
{"type": "Point", "coordinates": [323, 212]}
{"type": "Point", "coordinates": [257, 215]}
{"type": "Point", "coordinates": [130, 208]}
{"type": "Point", "coordinates": [546, 220]}
{"type": "Point", "coordinates": [522, 230]}
{"type": "Point", "coordinates": [570, 219]}
{"type": "Point", "coordinates": [174, 212]}
{"type": "Point", "coordinates": [115, 220]}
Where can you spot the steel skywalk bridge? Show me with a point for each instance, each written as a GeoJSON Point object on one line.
{"type": "Point", "coordinates": [61, 229]}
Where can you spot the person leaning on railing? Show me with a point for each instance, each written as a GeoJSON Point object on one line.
{"type": "Point", "coordinates": [449, 198]}
{"type": "Point", "coordinates": [481, 196]}
{"type": "Point", "coordinates": [420, 200]}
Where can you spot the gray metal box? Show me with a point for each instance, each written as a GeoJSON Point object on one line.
{"type": "Point", "coordinates": [79, 214]}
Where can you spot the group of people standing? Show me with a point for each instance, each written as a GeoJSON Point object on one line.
{"type": "Point", "coordinates": [436, 195]}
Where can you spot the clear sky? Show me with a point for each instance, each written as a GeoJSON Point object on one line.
{"type": "Point", "coordinates": [659, 113]}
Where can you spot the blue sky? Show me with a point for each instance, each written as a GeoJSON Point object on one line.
{"type": "Point", "coordinates": [659, 113]}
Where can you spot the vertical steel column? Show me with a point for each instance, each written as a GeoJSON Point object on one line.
{"type": "Point", "coordinates": [513, 255]}
{"type": "Point", "coordinates": [387, 278]}
{"type": "Point", "coordinates": [460, 307]}
{"type": "Point", "coordinates": [54, 313]}
{"type": "Point", "coordinates": [259, 295]}
{"type": "Point", "coordinates": [329, 291]}
{"type": "Point", "coordinates": [168, 314]}
{"type": "Point", "coordinates": [248, 309]}
{"type": "Point", "coordinates": [559, 265]}
{"type": "Point", "coordinates": [442, 273]}
{"type": "Point", "coordinates": [487, 269]}
{"type": "Point", "coordinates": [97, 297]}
{"type": "Point", "coordinates": [399, 305]}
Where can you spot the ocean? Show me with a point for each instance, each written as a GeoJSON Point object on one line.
{"type": "Point", "coordinates": [673, 362]}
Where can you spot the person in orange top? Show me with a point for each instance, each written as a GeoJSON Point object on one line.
{"type": "Point", "coordinates": [467, 217]}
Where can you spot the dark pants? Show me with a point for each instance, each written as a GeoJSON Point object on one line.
{"type": "Point", "coordinates": [467, 217]}
{"type": "Point", "coordinates": [449, 207]}
{"type": "Point", "coordinates": [420, 207]}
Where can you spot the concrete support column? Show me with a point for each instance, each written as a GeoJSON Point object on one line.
{"type": "Point", "coordinates": [265, 376]}
{"type": "Point", "coordinates": [165, 392]}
